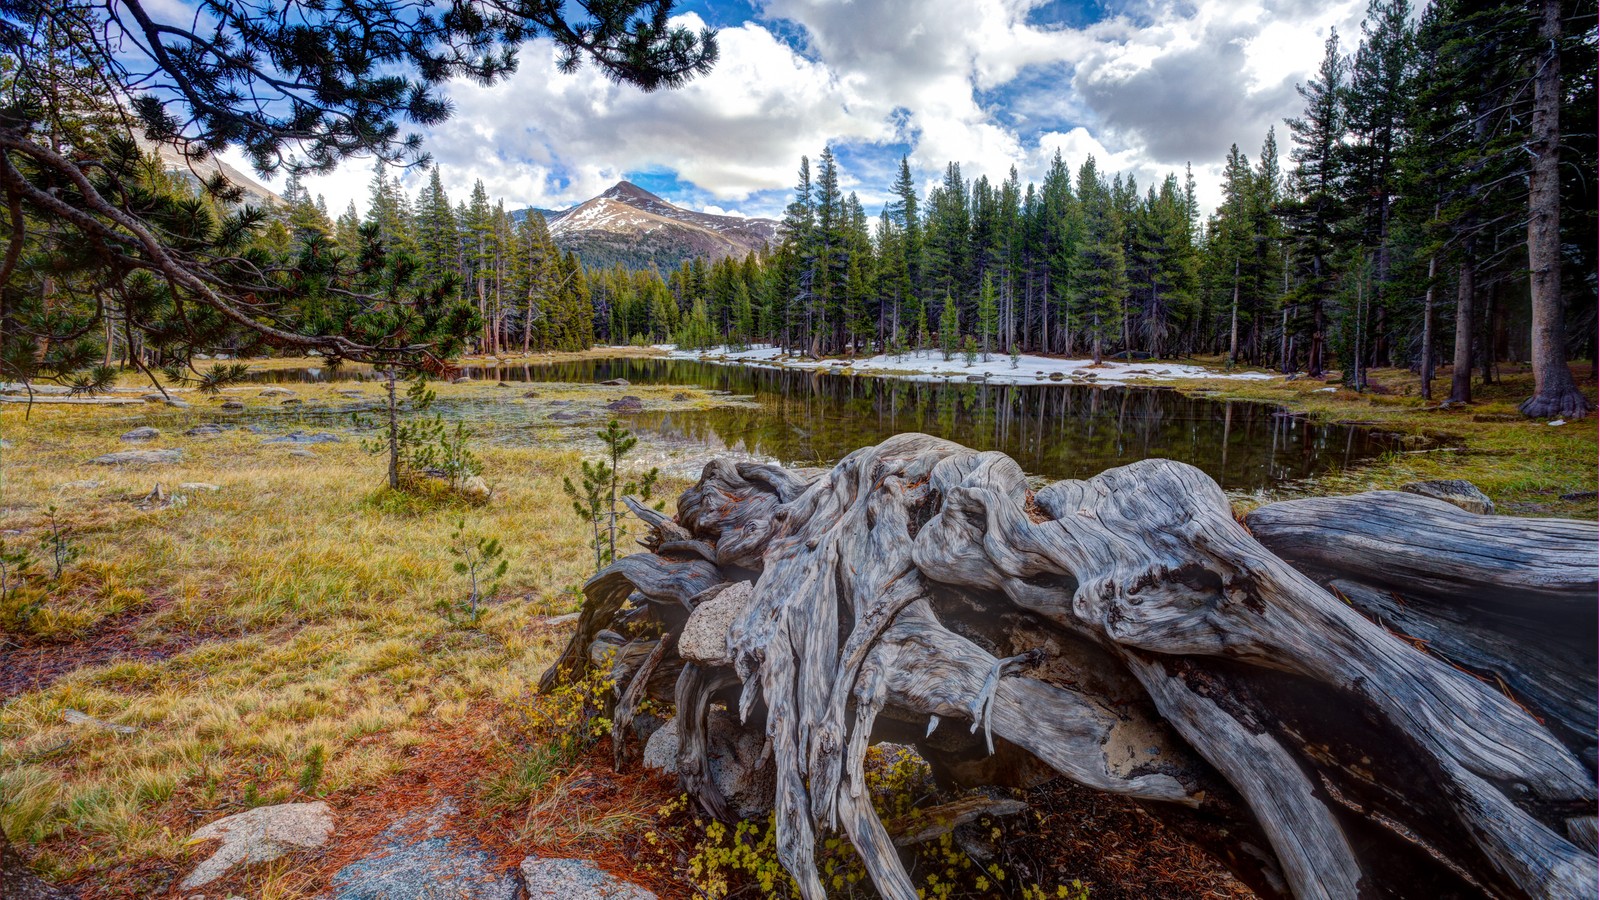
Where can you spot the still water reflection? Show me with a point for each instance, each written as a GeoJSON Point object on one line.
{"type": "Point", "coordinates": [813, 417]}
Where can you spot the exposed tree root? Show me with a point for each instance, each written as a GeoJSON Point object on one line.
{"type": "Point", "coordinates": [1126, 632]}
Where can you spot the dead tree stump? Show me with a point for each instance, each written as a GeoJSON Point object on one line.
{"type": "Point", "coordinates": [1378, 695]}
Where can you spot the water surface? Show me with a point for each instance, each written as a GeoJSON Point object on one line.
{"type": "Point", "coordinates": [812, 417]}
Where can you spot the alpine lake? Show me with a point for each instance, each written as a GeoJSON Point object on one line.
{"type": "Point", "coordinates": [811, 417]}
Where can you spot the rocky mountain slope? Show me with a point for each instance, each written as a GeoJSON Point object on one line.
{"type": "Point", "coordinates": [627, 224]}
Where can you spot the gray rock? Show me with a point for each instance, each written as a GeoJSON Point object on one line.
{"type": "Point", "coordinates": [462, 380]}
{"type": "Point", "coordinates": [476, 489]}
{"type": "Point", "coordinates": [735, 755]}
{"type": "Point", "coordinates": [175, 403]}
{"type": "Point", "coordinates": [416, 860]}
{"type": "Point", "coordinates": [616, 382]}
{"type": "Point", "coordinates": [1456, 491]}
{"type": "Point", "coordinates": [138, 458]}
{"type": "Point", "coordinates": [1579, 496]}
{"type": "Point", "coordinates": [303, 437]}
{"type": "Point", "coordinates": [531, 395]}
{"type": "Point", "coordinates": [1057, 376]}
{"type": "Point", "coordinates": [626, 404]}
{"type": "Point", "coordinates": [78, 485]}
{"type": "Point", "coordinates": [277, 392]}
{"type": "Point", "coordinates": [705, 635]}
{"type": "Point", "coordinates": [576, 879]}
{"type": "Point", "coordinates": [977, 377]}
{"type": "Point", "coordinates": [199, 486]}
{"type": "Point", "coordinates": [292, 401]}
{"type": "Point", "coordinates": [681, 397]}
{"type": "Point", "coordinates": [5, 444]}
{"type": "Point", "coordinates": [142, 434]}
{"type": "Point", "coordinates": [303, 452]}
{"type": "Point", "coordinates": [260, 835]}
{"type": "Point", "coordinates": [232, 404]}
{"type": "Point", "coordinates": [154, 397]}
{"type": "Point", "coordinates": [208, 429]}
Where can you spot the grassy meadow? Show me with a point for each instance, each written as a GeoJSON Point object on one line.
{"type": "Point", "coordinates": [293, 608]}
{"type": "Point", "coordinates": [280, 638]}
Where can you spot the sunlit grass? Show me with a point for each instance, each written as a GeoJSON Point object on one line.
{"type": "Point", "coordinates": [1524, 465]}
{"type": "Point", "coordinates": [292, 608]}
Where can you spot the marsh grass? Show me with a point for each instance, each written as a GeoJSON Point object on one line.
{"type": "Point", "coordinates": [1523, 465]}
{"type": "Point", "coordinates": [285, 626]}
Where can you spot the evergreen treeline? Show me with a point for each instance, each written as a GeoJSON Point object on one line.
{"type": "Point", "coordinates": [1410, 184]}
{"type": "Point", "coordinates": [1433, 208]}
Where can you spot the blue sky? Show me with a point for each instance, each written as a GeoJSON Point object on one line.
{"type": "Point", "coordinates": [1143, 85]}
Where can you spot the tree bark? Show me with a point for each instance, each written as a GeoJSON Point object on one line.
{"type": "Point", "coordinates": [1427, 331]}
{"type": "Point", "coordinates": [1555, 395]}
{"type": "Point", "coordinates": [1461, 369]}
{"type": "Point", "coordinates": [1128, 633]}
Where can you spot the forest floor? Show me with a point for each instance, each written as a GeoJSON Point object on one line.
{"type": "Point", "coordinates": [280, 638]}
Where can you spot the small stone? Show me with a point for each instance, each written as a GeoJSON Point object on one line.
{"type": "Point", "coordinates": [977, 377]}
{"type": "Point", "coordinates": [502, 384]}
{"type": "Point", "coordinates": [626, 404]}
{"type": "Point", "coordinates": [209, 429]}
{"type": "Point", "coordinates": [260, 835]}
{"type": "Point", "coordinates": [232, 404]}
{"type": "Point", "coordinates": [302, 437]}
{"type": "Point", "coordinates": [292, 402]}
{"type": "Point", "coordinates": [462, 380]}
{"type": "Point", "coordinates": [1057, 376]}
{"type": "Point", "coordinates": [199, 486]}
{"type": "Point", "coordinates": [681, 397]}
{"type": "Point", "coordinates": [142, 434]}
{"type": "Point", "coordinates": [1455, 491]}
{"type": "Point", "coordinates": [530, 395]}
{"type": "Point", "coordinates": [154, 397]}
{"type": "Point", "coordinates": [476, 489]}
{"type": "Point", "coordinates": [576, 879]}
{"type": "Point", "coordinates": [616, 382]}
{"type": "Point", "coordinates": [277, 392]}
{"type": "Point", "coordinates": [78, 485]}
{"type": "Point", "coordinates": [1580, 496]}
{"type": "Point", "coordinates": [138, 458]}
{"type": "Point", "coordinates": [175, 403]}
{"type": "Point", "coordinates": [705, 636]}
{"type": "Point", "coordinates": [301, 451]}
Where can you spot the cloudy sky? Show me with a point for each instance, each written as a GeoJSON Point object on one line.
{"type": "Point", "coordinates": [1143, 86]}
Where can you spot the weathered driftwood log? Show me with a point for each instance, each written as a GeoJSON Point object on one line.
{"type": "Point", "coordinates": [1125, 632]}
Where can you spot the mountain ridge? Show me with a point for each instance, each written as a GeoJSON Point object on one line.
{"type": "Point", "coordinates": [629, 225]}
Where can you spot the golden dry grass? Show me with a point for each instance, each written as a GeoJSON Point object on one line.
{"type": "Point", "coordinates": [1524, 465]}
{"type": "Point", "coordinates": [293, 608]}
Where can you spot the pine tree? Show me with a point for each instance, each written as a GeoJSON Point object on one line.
{"type": "Point", "coordinates": [1312, 218]}
{"type": "Point", "coordinates": [988, 313]}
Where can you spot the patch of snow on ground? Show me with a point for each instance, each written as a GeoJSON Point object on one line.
{"type": "Point", "coordinates": [930, 365]}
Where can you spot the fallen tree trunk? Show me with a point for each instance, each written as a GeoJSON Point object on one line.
{"type": "Point", "coordinates": [1124, 631]}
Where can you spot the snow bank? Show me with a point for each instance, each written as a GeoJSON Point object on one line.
{"type": "Point", "coordinates": [930, 365]}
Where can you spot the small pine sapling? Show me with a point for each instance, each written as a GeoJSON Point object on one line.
{"type": "Point", "coordinates": [1016, 356]}
{"type": "Point", "coordinates": [57, 545]}
{"type": "Point", "coordinates": [588, 504]}
{"type": "Point", "coordinates": [969, 351]}
{"type": "Point", "coordinates": [599, 501]}
{"type": "Point", "coordinates": [482, 560]}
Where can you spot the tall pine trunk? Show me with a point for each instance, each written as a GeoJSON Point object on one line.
{"type": "Point", "coordinates": [1461, 372]}
{"type": "Point", "coordinates": [1427, 332]}
{"type": "Point", "coordinates": [1555, 393]}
